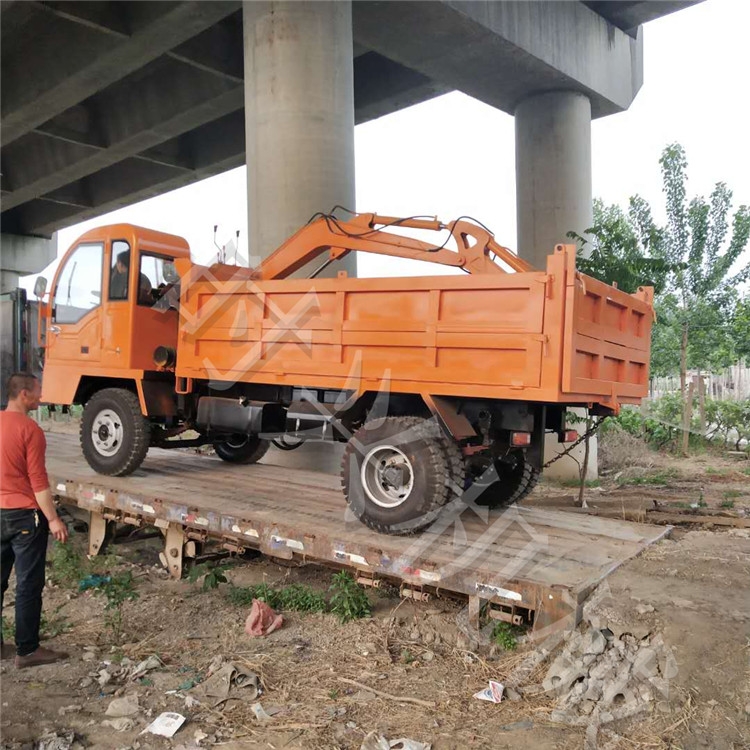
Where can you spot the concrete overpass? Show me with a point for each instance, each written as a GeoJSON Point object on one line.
{"type": "Point", "coordinates": [108, 103]}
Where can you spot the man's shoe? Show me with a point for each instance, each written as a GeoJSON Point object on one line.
{"type": "Point", "coordinates": [40, 656]}
{"type": "Point", "coordinates": [8, 651]}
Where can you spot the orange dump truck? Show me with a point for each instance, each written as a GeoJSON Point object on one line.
{"type": "Point", "coordinates": [442, 386]}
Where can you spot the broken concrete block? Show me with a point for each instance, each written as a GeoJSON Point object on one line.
{"type": "Point", "coordinates": [594, 642]}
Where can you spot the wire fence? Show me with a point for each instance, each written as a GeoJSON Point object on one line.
{"type": "Point", "coordinates": [731, 384]}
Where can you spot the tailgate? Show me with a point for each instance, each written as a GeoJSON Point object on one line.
{"type": "Point", "coordinates": [607, 340]}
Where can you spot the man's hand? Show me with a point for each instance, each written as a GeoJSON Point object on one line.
{"type": "Point", "coordinates": [58, 529]}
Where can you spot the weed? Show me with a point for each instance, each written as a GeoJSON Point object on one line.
{"type": "Point", "coordinates": [9, 629]}
{"type": "Point", "coordinates": [506, 635]}
{"type": "Point", "coordinates": [727, 504]}
{"type": "Point", "coordinates": [300, 598]}
{"type": "Point", "coordinates": [333, 694]}
{"type": "Point", "coordinates": [662, 477]}
{"type": "Point", "coordinates": [406, 656]}
{"type": "Point", "coordinates": [118, 590]}
{"type": "Point", "coordinates": [715, 472]}
{"type": "Point", "coordinates": [239, 595]}
{"type": "Point", "coordinates": [212, 575]}
{"type": "Point", "coordinates": [732, 494]}
{"type": "Point", "coordinates": [55, 625]}
{"type": "Point", "coordinates": [682, 505]}
{"type": "Point", "coordinates": [296, 597]}
{"type": "Point", "coordinates": [348, 599]}
{"type": "Point", "coordinates": [67, 564]}
{"type": "Point", "coordinates": [746, 471]}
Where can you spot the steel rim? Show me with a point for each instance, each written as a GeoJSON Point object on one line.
{"type": "Point", "coordinates": [237, 442]}
{"type": "Point", "coordinates": [387, 476]}
{"type": "Point", "coordinates": [107, 432]}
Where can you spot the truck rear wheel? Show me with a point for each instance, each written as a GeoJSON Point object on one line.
{"type": "Point", "coordinates": [114, 432]}
{"type": "Point", "coordinates": [502, 483]}
{"type": "Point", "coordinates": [398, 474]}
{"type": "Point", "coordinates": [241, 449]}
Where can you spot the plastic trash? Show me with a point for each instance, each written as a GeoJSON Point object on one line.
{"type": "Point", "coordinates": [493, 693]}
{"type": "Point", "coordinates": [93, 581]}
{"type": "Point", "coordinates": [262, 620]}
{"type": "Point", "coordinates": [165, 725]}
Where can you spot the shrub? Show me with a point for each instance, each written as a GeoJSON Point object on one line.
{"type": "Point", "coordinates": [348, 599]}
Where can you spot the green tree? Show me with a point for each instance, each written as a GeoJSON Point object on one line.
{"type": "Point", "coordinates": [694, 262]}
{"type": "Point", "coordinates": [706, 260]}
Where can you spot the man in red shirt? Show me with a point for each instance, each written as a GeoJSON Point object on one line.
{"type": "Point", "coordinates": [27, 516]}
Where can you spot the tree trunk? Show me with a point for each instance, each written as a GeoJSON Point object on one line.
{"type": "Point", "coordinates": [683, 386]}
{"type": "Point", "coordinates": [687, 417]}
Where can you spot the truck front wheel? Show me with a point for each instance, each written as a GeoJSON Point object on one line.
{"type": "Point", "coordinates": [241, 449]}
{"type": "Point", "coordinates": [397, 474]}
{"type": "Point", "coordinates": [114, 432]}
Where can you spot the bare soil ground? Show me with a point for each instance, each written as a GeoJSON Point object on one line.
{"type": "Point", "coordinates": [692, 589]}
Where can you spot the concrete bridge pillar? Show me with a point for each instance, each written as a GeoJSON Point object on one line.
{"type": "Point", "coordinates": [553, 197]}
{"type": "Point", "coordinates": [553, 171]}
{"type": "Point", "coordinates": [299, 118]}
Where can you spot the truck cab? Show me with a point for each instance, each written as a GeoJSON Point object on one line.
{"type": "Point", "coordinates": [107, 312]}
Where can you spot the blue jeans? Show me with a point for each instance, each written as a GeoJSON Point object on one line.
{"type": "Point", "coordinates": [23, 543]}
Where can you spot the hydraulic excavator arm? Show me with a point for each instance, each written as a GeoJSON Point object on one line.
{"type": "Point", "coordinates": [476, 250]}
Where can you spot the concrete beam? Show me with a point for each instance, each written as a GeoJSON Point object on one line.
{"type": "Point", "coordinates": [215, 147]}
{"type": "Point", "coordinates": [503, 52]}
{"type": "Point", "coordinates": [382, 86]}
{"type": "Point", "coordinates": [628, 15]}
{"type": "Point", "coordinates": [161, 101]}
{"type": "Point", "coordinates": [76, 60]}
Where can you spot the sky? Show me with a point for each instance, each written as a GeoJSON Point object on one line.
{"type": "Point", "coordinates": [454, 155]}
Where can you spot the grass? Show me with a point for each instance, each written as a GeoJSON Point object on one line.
{"type": "Point", "coordinates": [662, 477]}
{"type": "Point", "coordinates": [727, 504]}
{"type": "Point", "coordinates": [348, 600]}
{"type": "Point", "coordinates": [732, 494]}
{"type": "Point", "coordinates": [294, 598]}
{"type": "Point", "coordinates": [717, 472]}
{"type": "Point", "coordinates": [506, 635]}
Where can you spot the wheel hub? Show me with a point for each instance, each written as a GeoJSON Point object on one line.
{"type": "Point", "coordinates": [107, 432]}
{"type": "Point", "coordinates": [387, 476]}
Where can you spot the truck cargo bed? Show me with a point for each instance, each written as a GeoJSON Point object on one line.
{"type": "Point", "coordinates": [531, 564]}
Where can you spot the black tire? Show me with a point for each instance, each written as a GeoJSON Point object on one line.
{"type": "Point", "coordinates": [114, 433]}
{"type": "Point", "coordinates": [242, 449]}
{"type": "Point", "coordinates": [502, 483]}
{"type": "Point", "coordinates": [423, 474]}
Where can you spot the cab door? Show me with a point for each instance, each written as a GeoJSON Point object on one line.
{"type": "Point", "coordinates": [154, 322]}
{"type": "Point", "coordinates": [74, 334]}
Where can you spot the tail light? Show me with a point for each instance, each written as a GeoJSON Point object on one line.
{"type": "Point", "coordinates": [569, 436]}
{"type": "Point", "coordinates": [520, 439]}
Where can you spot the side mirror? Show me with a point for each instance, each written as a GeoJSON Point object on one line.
{"type": "Point", "coordinates": [40, 287]}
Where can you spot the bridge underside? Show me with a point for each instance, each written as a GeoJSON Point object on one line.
{"type": "Point", "coordinates": [107, 103]}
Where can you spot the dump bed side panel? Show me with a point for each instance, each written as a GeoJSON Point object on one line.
{"type": "Point", "coordinates": [442, 334]}
{"type": "Point", "coordinates": [607, 341]}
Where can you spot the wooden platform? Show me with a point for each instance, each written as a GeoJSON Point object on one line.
{"type": "Point", "coordinates": [532, 565]}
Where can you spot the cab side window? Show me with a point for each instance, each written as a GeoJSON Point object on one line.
{"type": "Point", "coordinates": [119, 273]}
{"type": "Point", "coordinates": [157, 276]}
{"type": "Point", "coordinates": [79, 289]}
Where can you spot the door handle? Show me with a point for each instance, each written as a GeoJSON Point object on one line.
{"type": "Point", "coordinates": [54, 329]}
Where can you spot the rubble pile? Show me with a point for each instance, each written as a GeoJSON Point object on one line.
{"type": "Point", "coordinates": [600, 677]}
